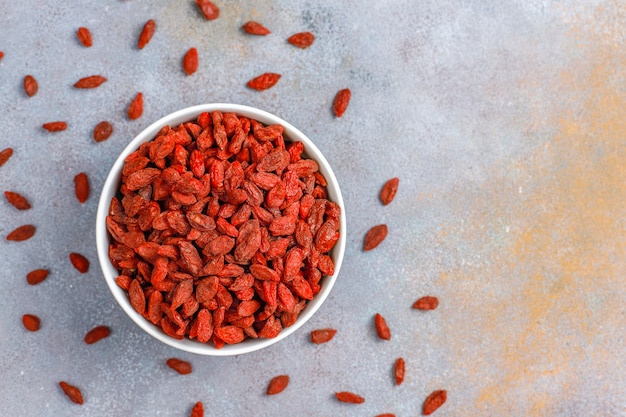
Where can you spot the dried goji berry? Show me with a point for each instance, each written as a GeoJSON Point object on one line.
{"type": "Point", "coordinates": [255, 28]}
{"type": "Point", "coordinates": [426, 303]}
{"type": "Point", "coordinates": [146, 33]}
{"type": "Point", "coordinates": [398, 370]}
{"type": "Point", "coordinates": [5, 154]}
{"type": "Point", "coordinates": [349, 397]}
{"type": "Point", "coordinates": [302, 40]}
{"type": "Point", "coordinates": [22, 233]}
{"type": "Point", "coordinates": [386, 415]}
{"type": "Point", "coordinates": [264, 81]}
{"type": "Point", "coordinates": [180, 366]}
{"type": "Point", "coordinates": [79, 262]}
{"type": "Point", "coordinates": [208, 9]}
{"type": "Point", "coordinates": [382, 330]}
{"type": "Point", "coordinates": [73, 393]}
{"type": "Point", "coordinates": [135, 109]}
{"type": "Point", "coordinates": [1, 54]}
{"type": "Point", "coordinates": [84, 36]}
{"type": "Point", "coordinates": [102, 131]}
{"type": "Point", "coordinates": [375, 236]}
{"type": "Point", "coordinates": [342, 99]}
{"type": "Point", "coordinates": [190, 61]}
{"type": "Point", "coordinates": [197, 410]}
{"type": "Point", "coordinates": [17, 200]}
{"type": "Point", "coordinates": [30, 85]}
{"type": "Point", "coordinates": [81, 187]}
{"type": "Point", "coordinates": [137, 297]}
{"type": "Point", "coordinates": [322, 335]}
{"type": "Point", "coordinates": [435, 400]}
{"type": "Point", "coordinates": [37, 276]}
{"type": "Point", "coordinates": [55, 126]}
{"type": "Point", "coordinates": [277, 384]}
{"type": "Point", "coordinates": [31, 322]}
{"type": "Point", "coordinates": [92, 81]}
{"type": "Point", "coordinates": [389, 190]}
{"type": "Point", "coordinates": [96, 334]}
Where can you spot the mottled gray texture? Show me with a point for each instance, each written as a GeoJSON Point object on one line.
{"type": "Point", "coordinates": [453, 97]}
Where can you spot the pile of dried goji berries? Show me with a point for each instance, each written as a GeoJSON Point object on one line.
{"type": "Point", "coordinates": [221, 229]}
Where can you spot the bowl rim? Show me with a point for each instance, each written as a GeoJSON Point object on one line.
{"type": "Point", "coordinates": [109, 189]}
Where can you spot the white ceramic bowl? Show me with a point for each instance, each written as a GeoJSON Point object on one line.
{"type": "Point", "coordinates": [110, 189]}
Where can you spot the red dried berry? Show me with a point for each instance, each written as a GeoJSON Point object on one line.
{"type": "Point", "coordinates": [375, 236]}
{"type": "Point", "coordinates": [277, 384]}
{"type": "Point", "coordinates": [135, 109]}
{"type": "Point", "coordinates": [96, 334]}
{"type": "Point", "coordinates": [37, 276]}
{"type": "Point", "coordinates": [208, 9]}
{"type": "Point", "coordinates": [92, 81]}
{"type": "Point", "coordinates": [190, 61]}
{"type": "Point", "coordinates": [84, 36]}
{"type": "Point", "coordinates": [398, 370]}
{"type": "Point", "coordinates": [31, 322]}
{"type": "Point", "coordinates": [79, 262]}
{"type": "Point", "coordinates": [17, 200]}
{"type": "Point", "coordinates": [30, 85]}
{"type": "Point", "coordinates": [72, 392]}
{"type": "Point", "coordinates": [146, 33]}
{"type": "Point", "coordinates": [382, 330]}
{"type": "Point", "coordinates": [255, 28]}
{"type": "Point", "coordinates": [302, 40]}
{"type": "Point", "coordinates": [322, 335]}
{"type": "Point", "coordinates": [264, 81]}
{"type": "Point", "coordinates": [55, 126]}
{"type": "Point", "coordinates": [342, 99]}
{"type": "Point", "coordinates": [435, 400]}
{"type": "Point", "coordinates": [1, 54]}
{"type": "Point", "coordinates": [426, 303]}
{"type": "Point", "coordinates": [81, 187]}
{"type": "Point", "coordinates": [180, 366]}
{"type": "Point", "coordinates": [5, 154]}
{"type": "Point", "coordinates": [197, 410]}
{"type": "Point", "coordinates": [24, 232]}
{"type": "Point", "coordinates": [102, 131]}
{"type": "Point", "coordinates": [386, 415]}
{"type": "Point", "coordinates": [349, 397]}
{"type": "Point", "coordinates": [389, 190]}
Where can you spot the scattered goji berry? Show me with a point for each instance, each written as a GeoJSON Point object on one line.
{"type": "Point", "coordinates": [81, 187]}
{"type": "Point", "coordinates": [96, 334]}
{"type": "Point", "coordinates": [17, 200]}
{"type": "Point", "coordinates": [1, 54]}
{"type": "Point", "coordinates": [55, 126]}
{"type": "Point", "coordinates": [426, 303]}
{"type": "Point", "coordinates": [208, 9]}
{"type": "Point", "coordinates": [277, 384]}
{"type": "Point", "coordinates": [302, 40]}
{"type": "Point", "coordinates": [264, 81]}
{"type": "Point", "coordinates": [180, 366]}
{"type": "Point", "coordinates": [146, 33]}
{"type": "Point", "coordinates": [190, 61]}
{"type": "Point", "coordinates": [24, 232]}
{"type": "Point", "coordinates": [322, 335]}
{"type": "Point", "coordinates": [92, 81]}
{"type": "Point", "coordinates": [73, 393]}
{"type": "Point", "coordinates": [398, 370]}
{"type": "Point", "coordinates": [389, 190]}
{"type": "Point", "coordinates": [37, 276]}
{"type": "Point", "coordinates": [30, 85]}
{"type": "Point", "coordinates": [5, 154]}
{"type": "Point", "coordinates": [341, 101]}
{"type": "Point", "coordinates": [382, 330]}
{"type": "Point", "coordinates": [135, 109]}
{"type": "Point", "coordinates": [386, 415]}
{"type": "Point", "coordinates": [349, 397]}
{"type": "Point", "coordinates": [79, 262]}
{"type": "Point", "coordinates": [84, 36]}
{"type": "Point", "coordinates": [255, 28]}
{"type": "Point", "coordinates": [31, 322]}
{"type": "Point", "coordinates": [435, 400]}
{"type": "Point", "coordinates": [375, 236]}
{"type": "Point", "coordinates": [102, 131]}
{"type": "Point", "coordinates": [197, 410]}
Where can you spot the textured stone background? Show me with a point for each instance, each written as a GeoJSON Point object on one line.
{"type": "Point", "coordinates": [504, 122]}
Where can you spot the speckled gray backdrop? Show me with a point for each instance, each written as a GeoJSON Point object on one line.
{"type": "Point", "coordinates": [503, 121]}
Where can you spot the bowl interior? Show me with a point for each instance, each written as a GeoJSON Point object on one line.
{"type": "Point", "coordinates": [110, 189]}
